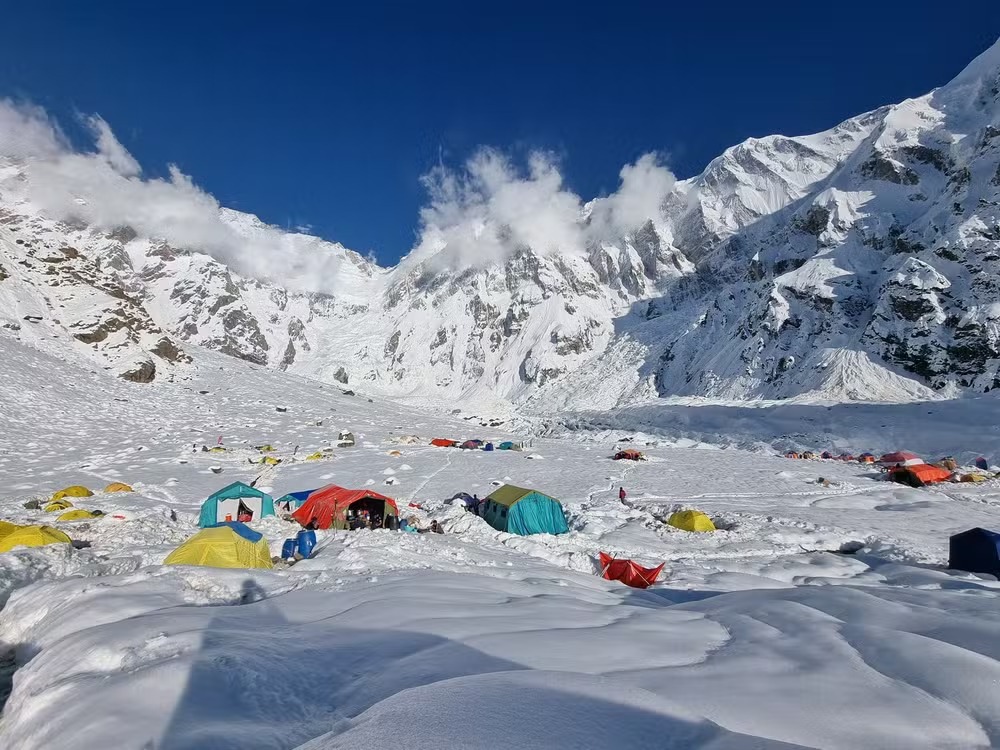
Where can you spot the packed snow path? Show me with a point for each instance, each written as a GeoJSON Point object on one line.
{"type": "Point", "coordinates": [762, 634]}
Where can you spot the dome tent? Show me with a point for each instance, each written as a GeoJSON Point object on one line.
{"type": "Point", "coordinates": [235, 500]}
{"type": "Point", "coordinates": [517, 510]}
{"type": "Point", "coordinates": [976, 551]}
{"type": "Point", "coordinates": [32, 536]}
{"type": "Point", "coordinates": [76, 490]}
{"type": "Point", "coordinates": [118, 487]}
{"type": "Point", "coordinates": [691, 520]}
{"type": "Point", "coordinates": [292, 501]}
{"type": "Point", "coordinates": [225, 545]}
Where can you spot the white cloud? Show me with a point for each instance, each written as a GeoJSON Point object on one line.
{"type": "Point", "coordinates": [105, 189]}
{"type": "Point", "coordinates": [489, 209]}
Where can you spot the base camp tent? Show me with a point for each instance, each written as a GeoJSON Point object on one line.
{"type": "Point", "coordinates": [118, 487]}
{"type": "Point", "coordinates": [225, 545]}
{"type": "Point", "coordinates": [919, 475]}
{"type": "Point", "coordinates": [628, 572]}
{"type": "Point", "coordinates": [77, 490]}
{"type": "Point", "coordinates": [982, 463]}
{"type": "Point", "coordinates": [32, 536]}
{"type": "Point", "coordinates": [329, 506]}
{"type": "Point", "coordinates": [470, 445]}
{"type": "Point", "coordinates": [506, 445]}
{"type": "Point", "coordinates": [976, 551]}
{"type": "Point", "coordinates": [292, 501]}
{"type": "Point", "coordinates": [238, 501]}
{"type": "Point", "coordinates": [691, 520]}
{"type": "Point", "coordinates": [523, 511]}
{"type": "Point", "coordinates": [444, 443]}
{"type": "Point", "coordinates": [629, 454]}
{"type": "Point", "coordinates": [900, 458]}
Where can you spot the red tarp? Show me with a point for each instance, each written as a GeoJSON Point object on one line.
{"type": "Point", "coordinates": [628, 572]}
{"type": "Point", "coordinates": [443, 443]}
{"type": "Point", "coordinates": [328, 505]}
{"type": "Point", "coordinates": [919, 475]}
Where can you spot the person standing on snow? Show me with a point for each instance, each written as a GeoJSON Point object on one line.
{"type": "Point", "coordinates": [621, 494]}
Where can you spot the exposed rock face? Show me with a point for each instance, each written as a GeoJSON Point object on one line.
{"type": "Point", "coordinates": [140, 370]}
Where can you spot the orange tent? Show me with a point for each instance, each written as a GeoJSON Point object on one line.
{"type": "Point", "coordinates": [444, 443]}
{"type": "Point", "coordinates": [628, 572]}
{"type": "Point", "coordinates": [919, 475]}
{"type": "Point", "coordinates": [328, 506]}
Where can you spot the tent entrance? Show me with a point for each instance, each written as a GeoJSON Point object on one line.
{"type": "Point", "coordinates": [367, 513]}
{"type": "Point", "coordinates": [244, 514]}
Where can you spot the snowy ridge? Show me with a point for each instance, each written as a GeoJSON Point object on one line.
{"type": "Point", "coordinates": [855, 264]}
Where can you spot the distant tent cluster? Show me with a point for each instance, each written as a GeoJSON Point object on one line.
{"type": "Point", "coordinates": [475, 444]}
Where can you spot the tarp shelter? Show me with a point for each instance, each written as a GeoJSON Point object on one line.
{"type": "Point", "coordinates": [982, 463]}
{"type": "Point", "coordinates": [919, 475]}
{"type": "Point", "coordinates": [629, 454]}
{"type": "Point", "coordinates": [628, 572]}
{"type": "Point", "coordinates": [900, 458]}
{"type": "Point", "coordinates": [225, 545]}
{"type": "Point", "coordinates": [691, 520]}
{"type": "Point", "coordinates": [444, 443]}
{"type": "Point", "coordinates": [32, 536]}
{"type": "Point", "coordinates": [118, 487]}
{"type": "Point", "coordinates": [506, 445]}
{"type": "Point", "coordinates": [976, 551]}
{"type": "Point", "coordinates": [236, 500]}
{"type": "Point", "coordinates": [470, 445]}
{"type": "Point", "coordinates": [76, 490]}
{"type": "Point", "coordinates": [524, 511]}
{"type": "Point", "coordinates": [292, 501]}
{"type": "Point", "coordinates": [329, 505]}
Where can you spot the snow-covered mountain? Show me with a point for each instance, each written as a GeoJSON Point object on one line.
{"type": "Point", "coordinates": [858, 263]}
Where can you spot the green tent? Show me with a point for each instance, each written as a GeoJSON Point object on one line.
{"type": "Point", "coordinates": [520, 511]}
{"type": "Point", "coordinates": [235, 500]}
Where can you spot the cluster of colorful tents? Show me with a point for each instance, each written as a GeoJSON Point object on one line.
{"type": "Point", "coordinates": [908, 468]}
{"type": "Point", "coordinates": [475, 445]}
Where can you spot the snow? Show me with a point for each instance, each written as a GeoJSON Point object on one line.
{"type": "Point", "coordinates": [762, 634]}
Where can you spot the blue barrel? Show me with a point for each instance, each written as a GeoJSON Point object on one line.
{"type": "Point", "coordinates": [288, 549]}
{"type": "Point", "coordinates": [306, 540]}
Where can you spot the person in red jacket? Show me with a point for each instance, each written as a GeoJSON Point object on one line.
{"type": "Point", "coordinates": [621, 494]}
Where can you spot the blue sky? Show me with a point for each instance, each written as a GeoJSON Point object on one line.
{"type": "Point", "coordinates": [327, 115]}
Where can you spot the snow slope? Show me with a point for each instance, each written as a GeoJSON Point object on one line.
{"type": "Point", "coordinates": [761, 635]}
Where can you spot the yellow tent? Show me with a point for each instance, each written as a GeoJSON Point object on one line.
{"type": "Point", "coordinates": [973, 478]}
{"type": "Point", "coordinates": [217, 449]}
{"type": "Point", "coordinates": [270, 460]}
{"type": "Point", "coordinates": [118, 487]}
{"type": "Point", "coordinates": [6, 527]}
{"type": "Point", "coordinates": [223, 547]}
{"type": "Point", "coordinates": [32, 536]}
{"type": "Point", "coordinates": [315, 456]}
{"type": "Point", "coordinates": [77, 514]}
{"type": "Point", "coordinates": [57, 505]}
{"type": "Point", "coordinates": [691, 520]}
{"type": "Point", "coordinates": [77, 490]}
{"type": "Point", "coordinates": [265, 448]}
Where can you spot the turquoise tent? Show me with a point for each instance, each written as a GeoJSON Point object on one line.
{"type": "Point", "coordinates": [236, 501]}
{"type": "Point", "coordinates": [506, 446]}
{"type": "Point", "coordinates": [293, 500]}
{"type": "Point", "coordinates": [520, 511]}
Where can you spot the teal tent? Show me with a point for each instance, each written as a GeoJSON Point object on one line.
{"type": "Point", "coordinates": [293, 500]}
{"type": "Point", "coordinates": [520, 511]}
{"type": "Point", "coordinates": [506, 446]}
{"type": "Point", "coordinates": [237, 501]}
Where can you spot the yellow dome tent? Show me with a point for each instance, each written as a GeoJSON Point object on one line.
{"type": "Point", "coordinates": [32, 536]}
{"type": "Point", "coordinates": [77, 490]}
{"type": "Point", "coordinates": [118, 487]}
{"type": "Point", "coordinates": [77, 514]}
{"type": "Point", "coordinates": [217, 449]}
{"type": "Point", "coordinates": [691, 520]}
{"type": "Point", "coordinates": [315, 456]}
{"type": "Point", "coordinates": [270, 460]}
{"type": "Point", "coordinates": [56, 505]}
{"type": "Point", "coordinates": [265, 448]}
{"type": "Point", "coordinates": [228, 545]}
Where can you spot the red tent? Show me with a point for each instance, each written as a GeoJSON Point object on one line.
{"type": "Point", "coordinates": [328, 505]}
{"type": "Point", "coordinates": [903, 458]}
{"type": "Point", "coordinates": [443, 443]}
{"type": "Point", "coordinates": [919, 475]}
{"type": "Point", "coordinates": [630, 454]}
{"type": "Point", "coordinates": [628, 572]}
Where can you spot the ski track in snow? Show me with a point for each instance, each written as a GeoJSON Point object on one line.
{"type": "Point", "coordinates": [759, 635]}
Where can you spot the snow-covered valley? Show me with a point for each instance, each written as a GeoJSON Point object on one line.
{"type": "Point", "coordinates": [765, 633]}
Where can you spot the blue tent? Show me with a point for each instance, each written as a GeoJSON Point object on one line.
{"type": "Point", "coordinates": [488, 447]}
{"type": "Point", "coordinates": [293, 500]}
{"type": "Point", "coordinates": [982, 463]}
{"type": "Point", "coordinates": [521, 511]}
{"type": "Point", "coordinates": [506, 445]}
{"type": "Point", "coordinates": [976, 551]}
{"type": "Point", "coordinates": [232, 501]}
{"type": "Point", "coordinates": [242, 529]}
